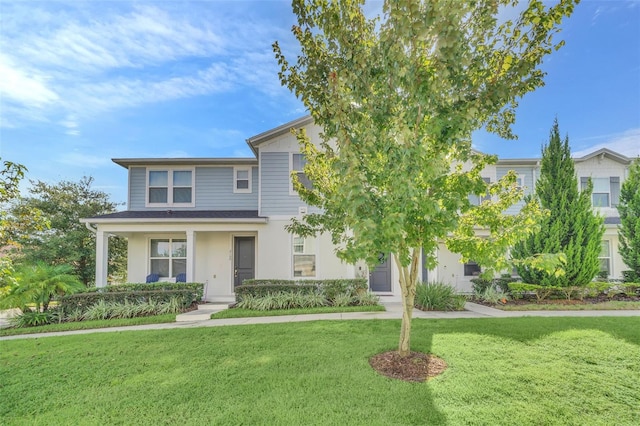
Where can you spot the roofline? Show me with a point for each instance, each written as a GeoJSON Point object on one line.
{"type": "Point", "coordinates": [191, 161]}
{"type": "Point", "coordinates": [518, 161]}
{"type": "Point", "coordinates": [605, 152]}
{"type": "Point", "coordinates": [256, 140]}
{"type": "Point", "coordinates": [176, 220]}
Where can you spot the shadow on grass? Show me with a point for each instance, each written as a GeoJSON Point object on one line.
{"type": "Point", "coordinates": [527, 329]}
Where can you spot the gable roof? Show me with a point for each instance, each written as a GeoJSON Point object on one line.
{"type": "Point", "coordinates": [605, 152]}
{"type": "Point", "coordinates": [192, 161]}
{"type": "Point", "coordinates": [256, 140]}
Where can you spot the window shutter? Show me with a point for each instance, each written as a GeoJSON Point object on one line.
{"type": "Point", "coordinates": [614, 181]}
{"type": "Point", "coordinates": [583, 183]}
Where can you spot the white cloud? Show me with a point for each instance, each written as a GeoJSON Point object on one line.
{"type": "Point", "coordinates": [23, 86]}
{"type": "Point", "coordinates": [626, 143]}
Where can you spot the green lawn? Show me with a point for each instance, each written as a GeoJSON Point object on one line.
{"type": "Point", "coordinates": [244, 313]}
{"type": "Point", "coordinates": [519, 371]}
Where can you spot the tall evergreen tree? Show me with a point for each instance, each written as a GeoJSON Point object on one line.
{"type": "Point", "coordinates": [629, 230]}
{"type": "Point", "coordinates": [572, 227]}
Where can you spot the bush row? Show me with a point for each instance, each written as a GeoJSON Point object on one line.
{"type": "Point", "coordinates": [330, 289]}
{"type": "Point", "coordinates": [436, 296]}
{"type": "Point", "coordinates": [82, 301]}
{"type": "Point", "coordinates": [198, 288]}
{"type": "Point", "coordinates": [294, 300]}
{"type": "Point", "coordinates": [593, 289]}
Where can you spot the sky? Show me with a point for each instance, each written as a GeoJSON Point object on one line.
{"type": "Point", "coordinates": [82, 82]}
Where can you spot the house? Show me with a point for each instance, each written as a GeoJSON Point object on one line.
{"type": "Point", "coordinates": [222, 220]}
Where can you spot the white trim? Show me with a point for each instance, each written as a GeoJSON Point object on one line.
{"type": "Point", "coordinates": [237, 169]}
{"type": "Point", "coordinates": [259, 183]}
{"type": "Point", "coordinates": [291, 170]}
{"type": "Point", "coordinates": [170, 171]}
{"type": "Point", "coordinates": [171, 237]}
{"type": "Point", "coordinates": [181, 220]}
{"type": "Point", "coordinates": [305, 252]}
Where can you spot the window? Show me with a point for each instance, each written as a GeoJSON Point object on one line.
{"type": "Point", "coordinates": [168, 257]}
{"type": "Point", "coordinates": [472, 269]}
{"type": "Point", "coordinates": [242, 179]}
{"type": "Point", "coordinates": [605, 258]}
{"type": "Point", "coordinates": [170, 187]}
{"type": "Point", "coordinates": [476, 200]}
{"type": "Point", "coordinates": [304, 258]}
{"type": "Point", "coordinates": [606, 190]}
{"type": "Point", "coordinates": [520, 181]}
{"type": "Point", "coordinates": [298, 162]}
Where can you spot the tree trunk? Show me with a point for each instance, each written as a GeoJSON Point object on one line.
{"type": "Point", "coordinates": [408, 281]}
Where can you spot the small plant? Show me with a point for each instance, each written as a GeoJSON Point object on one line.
{"type": "Point", "coordinates": [436, 296]}
{"type": "Point", "coordinates": [367, 299]}
{"type": "Point", "coordinates": [342, 299]}
{"type": "Point", "coordinates": [31, 318]}
{"type": "Point", "coordinates": [493, 295]}
{"type": "Point", "coordinates": [98, 311]}
{"type": "Point", "coordinates": [74, 316]}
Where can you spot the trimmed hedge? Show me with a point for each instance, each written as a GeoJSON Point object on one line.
{"type": "Point", "coordinates": [82, 301]}
{"type": "Point", "coordinates": [198, 288]}
{"type": "Point", "coordinates": [329, 288]}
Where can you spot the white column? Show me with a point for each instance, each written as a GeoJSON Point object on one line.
{"type": "Point", "coordinates": [102, 255]}
{"type": "Point", "coordinates": [191, 256]}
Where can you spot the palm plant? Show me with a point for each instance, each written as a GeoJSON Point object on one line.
{"type": "Point", "coordinates": [38, 284]}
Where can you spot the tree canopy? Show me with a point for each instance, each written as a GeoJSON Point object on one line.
{"type": "Point", "coordinates": [629, 230]}
{"type": "Point", "coordinates": [67, 241]}
{"type": "Point", "coordinates": [398, 98]}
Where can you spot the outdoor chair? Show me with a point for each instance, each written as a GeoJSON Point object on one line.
{"type": "Point", "coordinates": [181, 278]}
{"type": "Point", "coordinates": [153, 278]}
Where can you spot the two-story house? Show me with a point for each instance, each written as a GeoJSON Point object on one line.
{"type": "Point", "coordinates": [222, 220]}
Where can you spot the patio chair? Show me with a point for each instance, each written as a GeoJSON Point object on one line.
{"type": "Point", "coordinates": [153, 278]}
{"type": "Point", "coordinates": [181, 278]}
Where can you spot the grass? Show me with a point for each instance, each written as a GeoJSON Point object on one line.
{"type": "Point", "coordinates": [519, 371]}
{"type": "Point", "coordinates": [603, 306]}
{"type": "Point", "coordinates": [244, 313]}
{"type": "Point", "coordinates": [86, 325]}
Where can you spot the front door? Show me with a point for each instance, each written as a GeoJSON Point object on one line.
{"type": "Point", "coordinates": [243, 259]}
{"type": "Point", "coordinates": [380, 277]}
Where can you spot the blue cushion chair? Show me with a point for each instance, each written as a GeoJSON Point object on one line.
{"type": "Point", "coordinates": [181, 278]}
{"type": "Point", "coordinates": [153, 278]}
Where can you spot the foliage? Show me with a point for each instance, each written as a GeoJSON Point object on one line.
{"type": "Point", "coordinates": [366, 299]}
{"type": "Point", "coordinates": [82, 301]}
{"type": "Point", "coordinates": [29, 318]}
{"type": "Point", "coordinates": [492, 294]}
{"type": "Point", "coordinates": [68, 241]}
{"type": "Point", "coordinates": [342, 299]}
{"type": "Point", "coordinates": [329, 288]}
{"type": "Point", "coordinates": [436, 296]}
{"type": "Point", "coordinates": [541, 292]}
{"type": "Point", "coordinates": [119, 310]}
{"type": "Point", "coordinates": [38, 284]}
{"type": "Point", "coordinates": [10, 225]}
{"type": "Point", "coordinates": [282, 300]}
{"type": "Point", "coordinates": [197, 288]}
{"type": "Point", "coordinates": [572, 227]}
{"type": "Point", "coordinates": [397, 99]}
{"type": "Point", "coordinates": [248, 313]}
{"type": "Point", "coordinates": [518, 371]}
{"type": "Point", "coordinates": [629, 230]}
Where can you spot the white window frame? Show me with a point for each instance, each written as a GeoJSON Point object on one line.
{"type": "Point", "coordinates": [520, 182]}
{"type": "Point", "coordinates": [170, 186]}
{"type": "Point", "coordinates": [292, 191]}
{"type": "Point", "coordinates": [237, 190]}
{"type": "Point", "coordinates": [608, 258]}
{"type": "Point", "coordinates": [169, 258]}
{"type": "Point", "coordinates": [608, 179]}
{"type": "Point", "coordinates": [306, 251]}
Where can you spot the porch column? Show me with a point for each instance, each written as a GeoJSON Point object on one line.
{"type": "Point", "coordinates": [102, 255]}
{"type": "Point", "coordinates": [191, 256]}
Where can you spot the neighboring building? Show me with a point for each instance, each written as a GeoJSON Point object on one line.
{"type": "Point", "coordinates": [222, 220]}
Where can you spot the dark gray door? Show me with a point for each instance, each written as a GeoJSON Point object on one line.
{"type": "Point", "coordinates": [425, 271]}
{"type": "Point", "coordinates": [380, 277]}
{"type": "Point", "coordinates": [243, 259]}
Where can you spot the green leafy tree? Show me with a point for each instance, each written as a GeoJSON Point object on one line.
{"type": "Point", "coordinates": [38, 284]}
{"type": "Point", "coordinates": [629, 230]}
{"type": "Point", "coordinates": [68, 241]}
{"type": "Point", "coordinates": [572, 227]}
{"type": "Point", "coordinates": [398, 98]}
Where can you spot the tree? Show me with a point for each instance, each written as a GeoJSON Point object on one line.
{"type": "Point", "coordinates": [629, 230]}
{"type": "Point", "coordinates": [38, 284]}
{"type": "Point", "coordinates": [572, 227]}
{"type": "Point", "coordinates": [398, 98]}
{"type": "Point", "coordinates": [68, 241]}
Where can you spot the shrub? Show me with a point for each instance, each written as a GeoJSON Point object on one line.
{"type": "Point", "coordinates": [83, 301]}
{"type": "Point", "coordinates": [493, 295]}
{"type": "Point", "coordinates": [539, 291]}
{"type": "Point", "coordinates": [480, 285]}
{"type": "Point", "coordinates": [328, 288]}
{"type": "Point", "coordinates": [282, 300]}
{"type": "Point", "coordinates": [366, 299]}
{"type": "Point", "coordinates": [30, 318]}
{"type": "Point", "coordinates": [437, 296]}
{"type": "Point", "coordinates": [342, 299]}
{"type": "Point", "coordinates": [197, 288]}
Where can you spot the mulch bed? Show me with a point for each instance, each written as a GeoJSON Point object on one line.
{"type": "Point", "coordinates": [416, 367]}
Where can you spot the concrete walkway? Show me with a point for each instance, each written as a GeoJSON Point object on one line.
{"type": "Point", "coordinates": [200, 317]}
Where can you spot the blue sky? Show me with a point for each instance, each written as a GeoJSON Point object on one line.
{"type": "Point", "coordinates": [86, 81]}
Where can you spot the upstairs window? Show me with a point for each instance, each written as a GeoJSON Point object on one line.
{"type": "Point", "coordinates": [242, 180]}
{"type": "Point", "coordinates": [606, 190]}
{"type": "Point", "coordinates": [170, 188]}
{"type": "Point", "coordinates": [298, 162]}
{"type": "Point", "coordinates": [168, 257]}
{"type": "Point", "coordinates": [476, 200]}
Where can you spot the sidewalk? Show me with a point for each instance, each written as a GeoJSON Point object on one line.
{"type": "Point", "coordinates": [393, 311]}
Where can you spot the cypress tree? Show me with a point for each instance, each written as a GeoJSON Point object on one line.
{"type": "Point", "coordinates": [572, 227]}
{"type": "Point", "coordinates": [629, 230]}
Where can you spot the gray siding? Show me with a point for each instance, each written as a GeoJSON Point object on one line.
{"type": "Point", "coordinates": [213, 191]}
{"type": "Point", "coordinates": [528, 183]}
{"type": "Point", "coordinates": [275, 179]}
